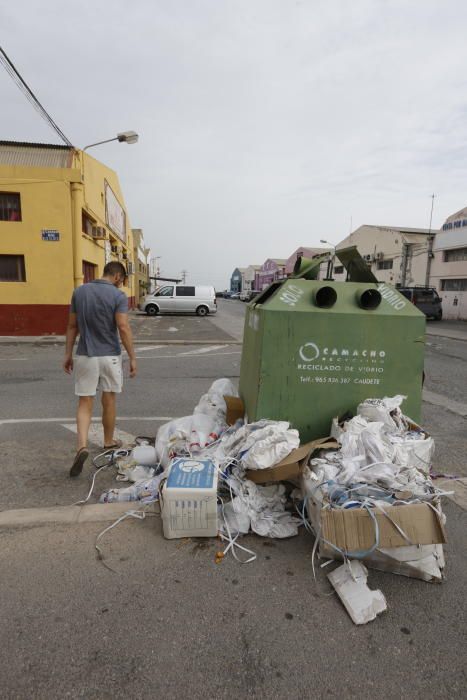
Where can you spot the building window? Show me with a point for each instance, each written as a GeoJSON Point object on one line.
{"type": "Point", "coordinates": [384, 265]}
{"type": "Point", "coordinates": [89, 271]}
{"type": "Point", "coordinates": [456, 255]}
{"type": "Point", "coordinates": [87, 223]}
{"type": "Point", "coordinates": [459, 285]}
{"type": "Point", "coordinates": [12, 268]}
{"type": "Point", "coordinates": [10, 206]}
{"type": "Point", "coordinates": [339, 269]}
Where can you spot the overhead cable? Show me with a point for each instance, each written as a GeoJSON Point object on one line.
{"type": "Point", "coordinates": [30, 96]}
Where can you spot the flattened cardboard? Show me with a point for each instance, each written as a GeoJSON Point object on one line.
{"type": "Point", "coordinates": [353, 529]}
{"type": "Point", "coordinates": [289, 468]}
{"type": "Point", "coordinates": [235, 409]}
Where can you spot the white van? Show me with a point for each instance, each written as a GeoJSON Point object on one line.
{"type": "Point", "coordinates": [180, 299]}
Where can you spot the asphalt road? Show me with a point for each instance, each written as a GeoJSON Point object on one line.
{"type": "Point", "coordinates": [171, 623]}
{"type": "Point", "coordinates": [36, 455]}
{"type": "Point", "coordinates": [170, 620]}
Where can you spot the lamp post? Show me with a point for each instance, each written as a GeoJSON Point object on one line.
{"type": "Point", "coordinates": [154, 269]}
{"type": "Point", "coordinates": [123, 137]}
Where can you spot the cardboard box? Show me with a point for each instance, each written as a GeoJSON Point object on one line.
{"type": "Point", "coordinates": [235, 409]}
{"type": "Point", "coordinates": [290, 467]}
{"type": "Point", "coordinates": [353, 529]}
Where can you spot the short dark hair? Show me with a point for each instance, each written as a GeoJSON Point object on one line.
{"type": "Point", "coordinates": [114, 268]}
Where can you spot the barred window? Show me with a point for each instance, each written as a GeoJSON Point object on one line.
{"type": "Point", "coordinates": [454, 285]}
{"type": "Point", "coordinates": [384, 265]}
{"type": "Point", "coordinates": [10, 206]}
{"type": "Point", "coordinates": [455, 255]}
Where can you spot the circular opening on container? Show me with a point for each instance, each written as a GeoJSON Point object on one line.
{"type": "Point", "coordinates": [369, 299]}
{"type": "Point", "coordinates": [325, 297]}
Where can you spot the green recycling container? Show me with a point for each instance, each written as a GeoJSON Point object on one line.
{"type": "Point", "coordinates": [314, 349]}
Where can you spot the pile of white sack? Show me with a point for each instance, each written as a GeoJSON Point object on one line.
{"type": "Point", "coordinates": [382, 457]}
{"type": "Point", "coordinates": [234, 449]}
{"type": "Point", "coordinates": [191, 435]}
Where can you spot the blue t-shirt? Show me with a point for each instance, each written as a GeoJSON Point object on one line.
{"type": "Point", "coordinates": [95, 305]}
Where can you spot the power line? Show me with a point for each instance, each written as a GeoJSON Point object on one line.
{"type": "Point", "coordinates": [30, 96]}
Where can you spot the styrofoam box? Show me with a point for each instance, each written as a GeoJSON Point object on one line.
{"type": "Point", "coordinates": [189, 499]}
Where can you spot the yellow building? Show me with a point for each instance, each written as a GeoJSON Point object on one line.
{"type": "Point", "coordinates": [62, 217]}
{"type": "Point", "coordinates": [140, 256]}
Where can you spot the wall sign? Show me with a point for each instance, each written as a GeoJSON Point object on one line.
{"type": "Point", "coordinates": [50, 234]}
{"type": "Point", "coordinates": [114, 213]}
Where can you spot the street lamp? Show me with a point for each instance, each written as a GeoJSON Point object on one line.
{"type": "Point", "coordinates": [154, 268]}
{"type": "Point", "coordinates": [123, 137]}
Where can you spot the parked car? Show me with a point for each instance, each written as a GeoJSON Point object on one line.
{"type": "Point", "coordinates": [426, 299]}
{"type": "Point", "coordinates": [180, 299]}
{"type": "Point", "coordinates": [235, 295]}
{"type": "Point", "coordinates": [248, 296]}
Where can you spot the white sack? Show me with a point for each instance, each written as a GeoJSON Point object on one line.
{"type": "Point", "coordinates": [173, 439]}
{"type": "Point", "coordinates": [386, 410]}
{"type": "Point", "coordinates": [268, 446]}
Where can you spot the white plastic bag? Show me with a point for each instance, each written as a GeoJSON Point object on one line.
{"type": "Point", "coordinates": [173, 439]}
{"type": "Point", "coordinates": [386, 410]}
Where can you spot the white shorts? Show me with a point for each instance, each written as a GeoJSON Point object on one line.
{"type": "Point", "coordinates": [93, 373]}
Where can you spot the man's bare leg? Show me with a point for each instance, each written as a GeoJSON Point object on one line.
{"type": "Point", "coordinates": [109, 412]}
{"type": "Point", "coordinates": [83, 421]}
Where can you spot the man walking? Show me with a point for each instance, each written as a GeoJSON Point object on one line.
{"type": "Point", "coordinates": [98, 310]}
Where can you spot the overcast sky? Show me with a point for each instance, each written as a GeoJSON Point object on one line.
{"type": "Point", "coordinates": [264, 124]}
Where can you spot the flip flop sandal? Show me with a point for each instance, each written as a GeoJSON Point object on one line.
{"type": "Point", "coordinates": [116, 445]}
{"type": "Point", "coordinates": [78, 462]}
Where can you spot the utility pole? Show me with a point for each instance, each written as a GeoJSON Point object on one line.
{"type": "Point", "coordinates": [184, 274]}
{"type": "Point", "coordinates": [429, 255]}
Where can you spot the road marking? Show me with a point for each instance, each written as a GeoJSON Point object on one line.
{"type": "Point", "coordinates": [13, 359]}
{"type": "Point", "coordinates": [201, 357]}
{"type": "Point", "coordinates": [146, 347]}
{"type": "Point", "coordinates": [438, 400]}
{"type": "Point", "coordinates": [96, 434]}
{"type": "Point", "coordinates": [14, 421]}
{"type": "Point", "coordinates": [200, 351]}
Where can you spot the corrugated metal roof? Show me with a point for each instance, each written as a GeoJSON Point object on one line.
{"type": "Point", "coordinates": [401, 229]}
{"type": "Point", "coordinates": [38, 155]}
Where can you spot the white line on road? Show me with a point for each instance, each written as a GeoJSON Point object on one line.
{"type": "Point", "coordinates": [200, 351]}
{"type": "Point", "coordinates": [14, 421]}
{"type": "Point", "coordinates": [200, 357]}
{"type": "Point", "coordinates": [147, 347]}
{"type": "Point", "coordinates": [96, 434]}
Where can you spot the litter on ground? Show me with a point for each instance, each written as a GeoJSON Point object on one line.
{"type": "Point", "coordinates": [364, 494]}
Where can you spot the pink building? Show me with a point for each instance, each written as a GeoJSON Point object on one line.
{"type": "Point", "coordinates": [304, 252]}
{"type": "Point", "coordinates": [271, 270]}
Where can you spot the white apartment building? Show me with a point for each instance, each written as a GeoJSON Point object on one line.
{"type": "Point", "coordinates": [399, 256]}
{"type": "Point", "coordinates": [449, 265]}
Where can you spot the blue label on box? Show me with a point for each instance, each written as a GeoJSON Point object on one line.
{"type": "Point", "coordinates": [191, 474]}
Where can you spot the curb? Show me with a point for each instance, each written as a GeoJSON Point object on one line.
{"type": "Point", "coordinates": [449, 334]}
{"type": "Point", "coordinates": [107, 512]}
{"type": "Point", "coordinates": [69, 515]}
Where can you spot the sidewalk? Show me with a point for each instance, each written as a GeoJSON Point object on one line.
{"type": "Point", "coordinates": [161, 330]}
{"type": "Point", "coordinates": [455, 330]}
